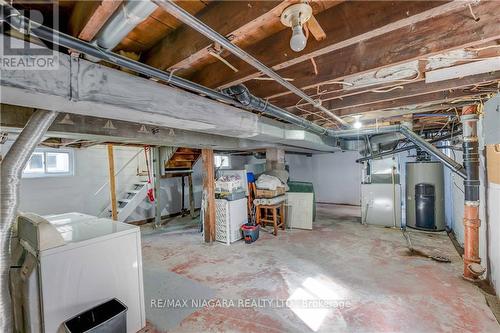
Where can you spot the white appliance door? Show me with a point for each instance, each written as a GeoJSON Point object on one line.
{"type": "Point", "coordinates": [300, 210]}
{"type": "Point", "coordinates": [84, 276]}
{"type": "Point", "coordinates": [237, 217]}
{"type": "Point", "coordinates": [380, 204]}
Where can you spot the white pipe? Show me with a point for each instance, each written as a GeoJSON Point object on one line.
{"type": "Point", "coordinates": [11, 172]}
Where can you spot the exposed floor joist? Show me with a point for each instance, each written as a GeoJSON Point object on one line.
{"type": "Point", "coordinates": [418, 89]}
{"type": "Point", "coordinates": [158, 25]}
{"type": "Point", "coordinates": [346, 24]}
{"type": "Point", "coordinates": [88, 17]}
{"type": "Point", "coordinates": [437, 35]}
{"type": "Point", "coordinates": [244, 22]}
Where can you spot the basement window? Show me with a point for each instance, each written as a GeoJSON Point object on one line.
{"type": "Point", "coordinates": [49, 163]}
{"type": "Point", "coordinates": [222, 162]}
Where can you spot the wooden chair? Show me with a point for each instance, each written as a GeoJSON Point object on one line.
{"type": "Point", "coordinates": [271, 214]}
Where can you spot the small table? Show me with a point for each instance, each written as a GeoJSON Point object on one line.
{"type": "Point", "coordinates": [272, 214]}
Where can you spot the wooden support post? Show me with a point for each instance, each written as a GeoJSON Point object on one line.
{"type": "Point", "coordinates": [207, 156]}
{"type": "Point", "coordinates": [112, 183]}
{"type": "Point", "coordinates": [191, 195]}
{"type": "Point", "coordinates": [156, 179]}
{"type": "Point", "coordinates": [183, 194]}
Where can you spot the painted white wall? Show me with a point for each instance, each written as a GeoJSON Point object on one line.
{"type": "Point", "coordinates": [79, 193]}
{"type": "Point", "coordinates": [300, 167]}
{"type": "Point", "coordinates": [336, 177]}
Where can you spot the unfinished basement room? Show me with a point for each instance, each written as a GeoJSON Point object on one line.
{"type": "Point", "coordinates": [249, 166]}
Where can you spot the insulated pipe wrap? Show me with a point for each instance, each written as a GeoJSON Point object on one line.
{"type": "Point", "coordinates": [11, 171]}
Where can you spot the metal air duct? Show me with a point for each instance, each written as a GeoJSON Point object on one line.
{"type": "Point", "coordinates": [11, 171]}
{"type": "Point", "coordinates": [123, 21]}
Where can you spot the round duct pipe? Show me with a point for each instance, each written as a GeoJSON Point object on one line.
{"type": "Point", "coordinates": [123, 21]}
{"type": "Point", "coordinates": [11, 172]}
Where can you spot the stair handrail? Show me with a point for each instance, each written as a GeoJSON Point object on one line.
{"type": "Point", "coordinates": [118, 172]}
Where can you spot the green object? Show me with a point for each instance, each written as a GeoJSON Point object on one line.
{"type": "Point", "coordinates": [303, 187]}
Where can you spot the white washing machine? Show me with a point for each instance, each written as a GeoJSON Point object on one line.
{"type": "Point", "coordinates": [71, 263]}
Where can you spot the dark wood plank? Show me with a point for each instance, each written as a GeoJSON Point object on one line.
{"type": "Point", "coordinates": [154, 28]}
{"type": "Point", "coordinates": [346, 24]}
{"type": "Point", "coordinates": [88, 17]}
{"type": "Point", "coordinates": [185, 45]}
{"type": "Point", "coordinates": [438, 35]}
{"type": "Point", "coordinates": [418, 88]}
{"type": "Point", "coordinates": [244, 22]}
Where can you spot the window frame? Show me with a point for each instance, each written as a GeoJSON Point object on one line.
{"type": "Point", "coordinates": [46, 173]}
{"type": "Point", "coordinates": [222, 166]}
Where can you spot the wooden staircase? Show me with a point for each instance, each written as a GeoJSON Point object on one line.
{"type": "Point", "coordinates": [183, 159]}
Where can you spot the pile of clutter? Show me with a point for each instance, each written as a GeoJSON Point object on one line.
{"type": "Point", "coordinates": [272, 190]}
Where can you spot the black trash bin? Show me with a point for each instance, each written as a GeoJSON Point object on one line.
{"type": "Point", "coordinates": [425, 203]}
{"type": "Point", "coordinates": [108, 317]}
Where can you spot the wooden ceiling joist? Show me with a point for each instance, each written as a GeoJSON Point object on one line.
{"type": "Point", "coordinates": [438, 35]}
{"type": "Point", "coordinates": [346, 24]}
{"type": "Point", "coordinates": [185, 46]}
{"type": "Point", "coordinates": [430, 98]}
{"type": "Point", "coordinates": [415, 89]}
{"type": "Point", "coordinates": [157, 26]}
{"type": "Point", "coordinates": [244, 22]}
{"type": "Point", "coordinates": [88, 17]}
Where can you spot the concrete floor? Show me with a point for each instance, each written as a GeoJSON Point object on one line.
{"type": "Point", "coordinates": [363, 274]}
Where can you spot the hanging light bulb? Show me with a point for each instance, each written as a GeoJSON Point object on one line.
{"type": "Point", "coordinates": [357, 124]}
{"type": "Point", "coordinates": [298, 41]}
{"type": "Point", "coordinates": [295, 17]}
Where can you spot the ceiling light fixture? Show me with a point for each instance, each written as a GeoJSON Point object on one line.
{"type": "Point", "coordinates": [357, 124]}
{"type": "Point", "coordinates": [295, 16]}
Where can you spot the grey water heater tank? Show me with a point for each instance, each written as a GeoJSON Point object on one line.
{"type": "Point", "coordinates": [425, 196]}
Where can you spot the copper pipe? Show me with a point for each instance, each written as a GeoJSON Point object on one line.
{"type": "Point", "coordinates": [472, 261]}
{"type": "Point", "coordinates": [471, 240]}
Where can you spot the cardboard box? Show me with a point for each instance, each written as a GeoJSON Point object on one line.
{"type": "Point", "coordinates": [493, 163]}
{"type": "Point", "coordinates": [269, 193]}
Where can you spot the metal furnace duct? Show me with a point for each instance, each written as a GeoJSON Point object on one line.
{"type": "Point", "coordinates": [11, 170]}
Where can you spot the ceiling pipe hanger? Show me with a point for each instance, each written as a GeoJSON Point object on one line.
{"type": "Point", "coordinates": [208, 32]}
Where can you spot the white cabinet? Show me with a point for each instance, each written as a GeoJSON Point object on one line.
{"type": "Point", "coordinates": [299, 210]}
{"type": "Point", "coordinates": [229, 217]}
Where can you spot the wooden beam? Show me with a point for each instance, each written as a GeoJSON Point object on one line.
{"type": "Point", "coordinates": [424, 103]}
{"type": "Point", "coordinates": [414, 89]}
{"type": "Point", "coordinates": [157, 184]}
{"type": "Point", "coordinates": [191, 195]}
{"type": "Point", "coordinates": [207, 156]}
{"type": "Point", "coordinates": [112, 183]}
{"type": "Point", "coordinates": [88, 17]}
{"type": "Point", "coordinates": [346, 24]}
{"type": "Point", "coordinates": [421, 40]}
{"type": "Point", "coordinates": [244, 22]}
{"type": "Point", "coordinates": [426, 99]}
{"type": "Point", "coordinates": [185, 46]}
{"type": "Point", "coordinates": [340, 91]}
